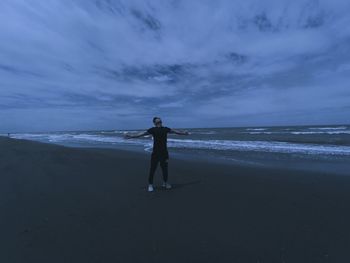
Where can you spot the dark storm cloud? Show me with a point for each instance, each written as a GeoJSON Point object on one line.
{"type": "Point", "coordinates": [114, 64]}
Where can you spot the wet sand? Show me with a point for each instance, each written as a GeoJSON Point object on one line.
{"type": "Point", "coordinates": [61, 204]}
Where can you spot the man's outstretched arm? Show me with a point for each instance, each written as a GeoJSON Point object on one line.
{"type": "Point", "coordinates": [179, 132]}
{"type": "Point", "coordinates": [141, 134]}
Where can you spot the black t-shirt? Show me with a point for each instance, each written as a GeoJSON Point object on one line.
{"type": "Point", "coordinates": [159, 139]}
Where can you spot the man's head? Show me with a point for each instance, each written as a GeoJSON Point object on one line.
{"type": "Point", "coordinates": [157, 122]}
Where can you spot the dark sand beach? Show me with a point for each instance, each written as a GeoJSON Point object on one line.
{"type": "Point", "coordinates": [61, 204]}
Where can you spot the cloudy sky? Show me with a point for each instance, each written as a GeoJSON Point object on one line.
{"type": "Point", "coordinates": [114, 64]}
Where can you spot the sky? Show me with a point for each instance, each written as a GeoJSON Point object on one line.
{"type": "Point", "coordinates": [115, 64]}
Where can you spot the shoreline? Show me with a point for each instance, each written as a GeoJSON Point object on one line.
{"type": "Point", "coordinates": [62, 204]}
{"type": "Point", "coordinates": [259, 160]}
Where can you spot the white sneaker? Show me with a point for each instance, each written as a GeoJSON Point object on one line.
{"type": "Point", "coordinates": [150, 188]}
{"type": "Point", "coordinates": [166, 185]}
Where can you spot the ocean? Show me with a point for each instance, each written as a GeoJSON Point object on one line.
{"type": "Point", "coordinates": [319, 148]}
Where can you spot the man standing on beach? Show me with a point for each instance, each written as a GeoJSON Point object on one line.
{"type": "Point", "coordinates": [160, 151]}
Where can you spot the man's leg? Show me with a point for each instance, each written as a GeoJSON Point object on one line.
{"type": "Point", "coordinates": [164, 166]}
{"type": "Point", "coordinates": [153, 167]}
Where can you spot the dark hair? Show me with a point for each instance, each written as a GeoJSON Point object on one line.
{"type": "Point", "coordinates": [154, 119]}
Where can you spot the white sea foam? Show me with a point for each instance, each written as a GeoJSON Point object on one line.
{"type": "Point", "coordinates": [223, 145]}
{"type": "Point", "coordinates": [205, 133]}
{"type": "Point", "coordinates": [264, 146]}
{"type": "Point", "coordinates": [123, 132]}
{"type": "Point", "coordinates": [67, 138]}
{"type": "Point", "coordinates": [30, 136]}
{"type": "Point", "coordinates": [320, 132]}
{"type": "Point", "coordinates": [328, 128]}
{"type": "Point", "coordinates": [256, 129]}
{"type": "Point", "coordinates": [261, 132]}
{"type": "Point", "coordinates": [302, 132]}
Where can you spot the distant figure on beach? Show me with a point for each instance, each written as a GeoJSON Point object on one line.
{"type": "Point", "coordinates": [160, 151]}
{"type": "Point", "coordinates": [8, 135]}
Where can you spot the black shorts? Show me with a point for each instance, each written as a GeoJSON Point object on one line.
{"type": "Point", "coordinates": [160, 155]}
